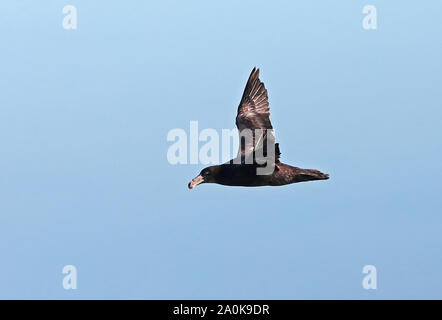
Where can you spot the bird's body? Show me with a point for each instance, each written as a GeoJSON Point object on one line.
{"type": "Point", "coordinates": [257, 163]}
{"type": "Point", "coordinates": [244, 175]}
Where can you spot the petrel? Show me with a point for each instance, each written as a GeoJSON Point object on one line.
{"type": "Point", "coordinates": [257, 162]}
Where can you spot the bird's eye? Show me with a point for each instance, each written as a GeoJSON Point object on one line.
{"type": "Point", "coordinates": [206, 173]}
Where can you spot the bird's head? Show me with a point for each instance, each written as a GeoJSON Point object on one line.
{"type": "Point", "coordinates": [207, 175]}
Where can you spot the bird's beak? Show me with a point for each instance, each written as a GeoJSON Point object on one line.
{"type": "Point", "coordinates": [196, 181]}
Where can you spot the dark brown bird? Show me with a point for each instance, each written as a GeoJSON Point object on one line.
{"type": "Point", "coordinates": [255, 164]}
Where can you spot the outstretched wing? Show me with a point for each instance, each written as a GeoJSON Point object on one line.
{"type": "Point", "coordinates": [254, 116]}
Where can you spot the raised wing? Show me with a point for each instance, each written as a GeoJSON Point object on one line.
{"type": "Point", "coordinates": [254, 117]}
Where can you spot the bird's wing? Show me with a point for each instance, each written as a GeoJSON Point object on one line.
{"type": "Point", "coordinates": [254, 116]}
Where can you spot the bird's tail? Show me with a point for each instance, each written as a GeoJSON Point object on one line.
{"type": "Point", "coordinates": [311, 174]}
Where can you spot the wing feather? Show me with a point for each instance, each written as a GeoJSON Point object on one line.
{"type": "Point", "coordinates": [253, 114]}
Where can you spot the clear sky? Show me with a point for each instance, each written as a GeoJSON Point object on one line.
{"type": "Point", "coordinates": [85, 181]}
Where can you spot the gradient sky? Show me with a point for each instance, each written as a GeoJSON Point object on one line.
{"type": "Point", "coordinates": [84, 179]}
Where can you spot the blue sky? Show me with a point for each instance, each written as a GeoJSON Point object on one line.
{"type": "Point", "coordinates": [84, 180]}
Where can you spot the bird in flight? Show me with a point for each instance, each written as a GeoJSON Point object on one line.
{"type": "Point", "coordinates": [257, 162]}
